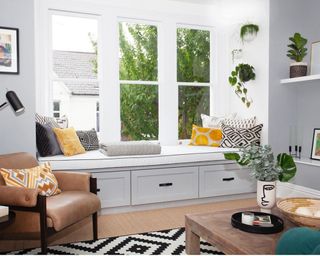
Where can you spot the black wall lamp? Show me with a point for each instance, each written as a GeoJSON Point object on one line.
{"type": "Point", "coordinates": [14, 101]}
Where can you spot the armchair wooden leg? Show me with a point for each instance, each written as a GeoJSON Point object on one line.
{"type": "Point", "coordinates": [43, 224]}
{"type": "Point", "coordinates": [95, 225]}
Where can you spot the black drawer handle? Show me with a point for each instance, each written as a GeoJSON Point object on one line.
{"type": "Point", "coordinates": [98, 189]}
{"type": "Point", "coordinates": [228, 179]}
{"type": "Point", "coordinates": [165, 184]}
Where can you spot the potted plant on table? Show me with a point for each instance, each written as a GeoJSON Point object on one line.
{"type": "Point", "coordinates": [297, 51]}
{"type": "Point", "coordinates": [266, 169]}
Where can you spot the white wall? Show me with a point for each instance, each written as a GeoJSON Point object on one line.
{"type": "Point", "coordinates": [256, 53]}
{"type": "Point", "coordinates": [17, 132]}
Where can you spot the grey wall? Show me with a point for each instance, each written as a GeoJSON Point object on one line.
{"type": "Point", "coordinates": [17, 133]}
{"type": "Point", "coordinates": [293, 104]}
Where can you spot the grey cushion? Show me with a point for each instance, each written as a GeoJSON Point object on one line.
{"type": "Point", "coordinates": [47, 143]}
{"type": "Point", "coordinates": [130, 148]}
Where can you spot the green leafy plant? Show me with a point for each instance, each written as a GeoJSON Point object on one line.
{"type": "Point", "coordinates": [250, 28]}
{"type": "Point", "coordinates": [297, 50]}
{"type": "Point", "coordinates": [242, 74]}
{"type": "Point", "coordinates": [263, 165]}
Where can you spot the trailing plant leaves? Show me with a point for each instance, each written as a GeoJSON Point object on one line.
{"type": "Point", "coordinates": [240, 75]}
{"type": "Point", "coordinates": [232, 156]}
{"type": "Point", "coordinates": [288, 166]}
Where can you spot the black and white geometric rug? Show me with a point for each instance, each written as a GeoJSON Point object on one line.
{"type": "Point", "coordinates": [154, 243]}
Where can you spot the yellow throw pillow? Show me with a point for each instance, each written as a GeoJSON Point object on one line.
{"type": "Point", "coordinates": [203, 136]}
{"type": "Point", "coordinates": [40, 177]}
{"type": "Point", "coordinates": [69, 141]}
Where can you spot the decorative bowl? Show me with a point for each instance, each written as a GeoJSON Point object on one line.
{"type": "Point", "coordinates": [288, 207]}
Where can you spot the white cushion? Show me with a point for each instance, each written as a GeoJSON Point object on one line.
{"type": "Point", "coordinates": [215, 121]}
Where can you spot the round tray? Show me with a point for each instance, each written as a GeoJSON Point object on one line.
{"type": "Point", "coordinates": [276, 221]}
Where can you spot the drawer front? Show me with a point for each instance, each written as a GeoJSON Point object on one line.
{"type": "Point", "coordinates": [151, 186]}
{"type": "Point", "coordinates": [114, 188]}
{"type": "Point", "coordinates": [227, 182]}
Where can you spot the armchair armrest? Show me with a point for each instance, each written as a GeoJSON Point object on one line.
{"type": "Point", "coordinates": [16, 196]}
{"type": "Point", "coordinates": [73, 181]}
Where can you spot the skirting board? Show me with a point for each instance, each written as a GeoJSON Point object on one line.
{"type": "Point", "coordinates": [286, 189]}
{"type": "Point", "coordinates": [175, 203]}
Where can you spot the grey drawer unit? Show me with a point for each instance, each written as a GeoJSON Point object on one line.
{"type": "Point", "coordinates": [161, 185]}
{"type": "Point", "coordinates": [227, 179]}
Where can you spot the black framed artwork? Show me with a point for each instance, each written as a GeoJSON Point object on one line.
{"type": "Point", "coordinates": [315, 151]}
{"type": "Point", "coordinates": [9, 50]}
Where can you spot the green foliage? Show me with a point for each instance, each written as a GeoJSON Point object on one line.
{"type": "Point", "coordinates": [193, 65]}
{"type": "Point", "coordinates": [242, 74]}
{"type": "Point", "coordinates": [297, 50]}
{"type": "Point", "coordinates": [138, 61]}
{"type": "Point", "coordinates": [252, 29]}
{"type": "Point", "coordinates": [263, 165]}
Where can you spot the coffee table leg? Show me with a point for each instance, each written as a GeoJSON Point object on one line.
{"type": "Point", "coordinates": [192, 242]}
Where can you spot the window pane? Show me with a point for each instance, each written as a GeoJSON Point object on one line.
{"type": "Point", "coordinates": [193, 101]}
{"type": "Point", "coordinates": [138, 52]}
{"type": "Point", "coordinates": [193, 55]}
{"type": "Point", "coordinates": [139, 112]}
{"type": "Point", "coordinates": [74, 42]}
{"type": "Point", "coordinates": [56, 106]}
{"type": "Point", "coordinates": [77, 103]}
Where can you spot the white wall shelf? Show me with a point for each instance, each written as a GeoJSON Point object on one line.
{"type": "Point", "coordinates": [307, 161]}
{"type": "Point", "coordinates": [300, 79]}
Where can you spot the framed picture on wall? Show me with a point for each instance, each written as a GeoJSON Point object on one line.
{"type": "Point", "coordinates": [9, 50]}
{"type": "Point", "coordinates": [315, 151]}
{"type": "Point", "coordinates": [315, 58]}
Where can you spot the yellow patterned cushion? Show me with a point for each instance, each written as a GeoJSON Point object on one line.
{"type": "Point", "coordinates": [40, 177]}
{"type": "Point", "coordinates": [203, 136]}
{"type": "Point", "coordinates": [69, 141]}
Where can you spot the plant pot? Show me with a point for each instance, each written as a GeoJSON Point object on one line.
{"type": "Point", "coordinates": [298, 69]}
{"type": "Point", "coordinates": [266, 195]}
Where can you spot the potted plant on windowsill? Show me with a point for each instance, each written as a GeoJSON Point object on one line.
{"type": "Point", "coordinates": [297, 51]}
{"type": "Point", "coordinates": [266, 170]}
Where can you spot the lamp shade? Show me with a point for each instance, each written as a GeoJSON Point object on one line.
{"type": "Point", "coordinates": [14, 101]}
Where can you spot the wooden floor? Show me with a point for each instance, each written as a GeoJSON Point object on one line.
{"type": "Point", "coordinates": [129, 223]}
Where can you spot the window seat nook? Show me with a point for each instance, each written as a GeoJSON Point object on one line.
{"type": "Point", "coordinates": [180, 174]}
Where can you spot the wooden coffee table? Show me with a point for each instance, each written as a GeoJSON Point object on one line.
{"type": "Point", "coordinates": [216, 229]}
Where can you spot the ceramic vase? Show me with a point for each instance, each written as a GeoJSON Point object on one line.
{"type": "Point", "coordinates": [266, 195]}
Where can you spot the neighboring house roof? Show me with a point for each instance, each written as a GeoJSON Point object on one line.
{"type": "Point", "coordinates": [76, 65]}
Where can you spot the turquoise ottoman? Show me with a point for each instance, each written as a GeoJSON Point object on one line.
{"type": "Point", "coordinates": [299, 241]}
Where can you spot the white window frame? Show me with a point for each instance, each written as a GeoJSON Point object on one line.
{"type": "Point", "coordinates": [212, 75]}
{"type": "Point", "coordinates": [51, 77]}
{"type": "Point", "coordinates": [142, 82]}
{"type": "Point", "coordinates": [108, 16]}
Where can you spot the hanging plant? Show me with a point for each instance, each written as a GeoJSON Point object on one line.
{"type": "Point", "coordinates": [242, 74]}
{"type": "Point", "coordinates": [248, 32]}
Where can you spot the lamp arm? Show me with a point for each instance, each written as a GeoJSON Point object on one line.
{"type": "Point", "coordinates": [3, 105]}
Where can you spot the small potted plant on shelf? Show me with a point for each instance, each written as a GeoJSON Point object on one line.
{"type": "Point", "coordinates": [248, 32]}
{"type": "Point", "coordinates": [242, 74]}
{"type": "Point", "coordinates": [266, 170]}
{"type": "Point", "coordinates": [297, 51]}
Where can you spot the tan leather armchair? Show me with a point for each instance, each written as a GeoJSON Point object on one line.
{"type": "Point", "coordinates": [47, 215]}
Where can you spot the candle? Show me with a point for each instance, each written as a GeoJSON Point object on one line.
{"type": "Point", "coordinates": [247, 218]}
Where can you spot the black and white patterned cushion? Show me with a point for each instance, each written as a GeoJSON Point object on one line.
{"type": "Point", "coordinates": [240, 137]}
{"type": "Point", "coordinates": [89, 139]}
{"type": "Point", "coordinates": [240, 123]}
{"type": "Point", "coordinates": [46, 120]}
